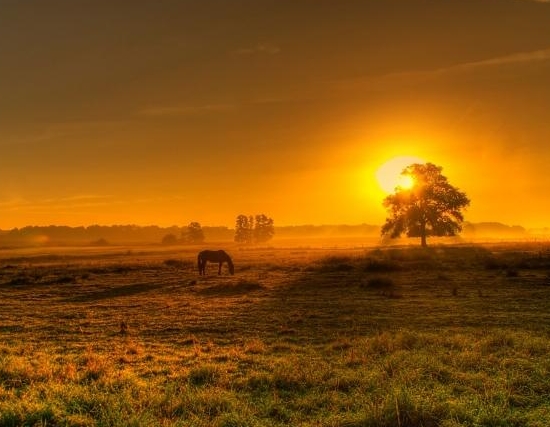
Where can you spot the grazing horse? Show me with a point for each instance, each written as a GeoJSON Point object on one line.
{"type": "Point", "coordinates": [214, 256]}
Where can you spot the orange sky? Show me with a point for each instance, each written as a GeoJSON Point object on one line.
{"type": "Point", "coordinates": [168, 112]}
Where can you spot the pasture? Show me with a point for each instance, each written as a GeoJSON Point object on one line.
{"type": "Point", "coordinates": [446, 336]}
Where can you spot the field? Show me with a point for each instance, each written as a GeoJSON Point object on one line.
{"type": "Point", "coordinates": [451, 335]}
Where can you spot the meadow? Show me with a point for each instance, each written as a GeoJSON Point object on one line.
{"type": "Point", "coordinates": [450, 335]}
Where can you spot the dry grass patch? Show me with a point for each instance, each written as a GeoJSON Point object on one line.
{"type": "Point", "coordinates": [291, 339]}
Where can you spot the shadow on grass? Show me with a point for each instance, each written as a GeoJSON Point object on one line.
{"type": "Point", "coordinates": [117, 292]}
{"type": "Point", "coordinates": [313, 300]}
{"type": "Point", "coordinates": [240, 288]}
{"type": "Point", "coordinates": [326, 300]}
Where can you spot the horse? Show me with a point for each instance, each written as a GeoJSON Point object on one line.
{"type": "Point", "coordinates": [214, 256]}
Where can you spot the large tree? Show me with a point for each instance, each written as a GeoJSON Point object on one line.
{"type": "Point", "coordinates": [430, 207]}
{"type": "Point", "coordinates": [250, 229]}
{"type": "Point", "coordinates": [264, 229]}
{"type": "Point", "coordinates": [244, 229]}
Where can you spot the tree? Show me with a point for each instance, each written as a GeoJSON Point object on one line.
{"type": "Point", "coordinates": [431, 207]}
{"type": "Point", "coordinates": [194, 233]}
{"type": "Point", "coordinates": [250, 229]}
{"type": "Point", "coordinates": [170, 239]}
{"type": "Point", "coordinates": [244, 229]}
{"type": "Point", "coordinates": [264, 229]}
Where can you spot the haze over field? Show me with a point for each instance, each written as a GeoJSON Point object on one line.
{"type": "Point", "coordinates": [168, 112]}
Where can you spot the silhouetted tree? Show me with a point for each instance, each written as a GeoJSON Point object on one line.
{"type": "Point", "coordinates": [264, 229]}
{"type": "Point", "coordinates": [100, 242]}
{"type": "Point", "coordinates": [244, 229]}
{"type": "Point", "coordinates": [169, 239]}
{"type": "Point", "coordinates": [194, 233]}
{"type": "Point", "coordinates": [431, 207]}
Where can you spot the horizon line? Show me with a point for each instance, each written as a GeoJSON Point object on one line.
{"type": "Point", "coordinates": [276, 226]}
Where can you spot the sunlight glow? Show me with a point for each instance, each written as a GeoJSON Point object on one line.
{"type": "Point", "coordinates": [405, 181]}
{"type": "Point", "coordinates": [389, 174]}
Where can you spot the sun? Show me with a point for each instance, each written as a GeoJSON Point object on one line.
{"type": "Point", "coordinates": [389, 174]}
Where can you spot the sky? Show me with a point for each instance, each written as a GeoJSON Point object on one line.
{"type": "Point", "coordinates": [167, 112]}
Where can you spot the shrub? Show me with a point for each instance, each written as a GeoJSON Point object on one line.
{"type": "Point", "coordinates": [491, 263]}
{"type": "Point", "coordinates": [335, 264]}
{"type": "Point", "coordinates": [100, 242]}
{"type": "Point", "coordinates": [66, 279]}
{"type": "Point", "coordinates": [176, 263]}
{"type": "Point", "coordinates": [169, 239]}
{"type": "Point", "coordinates": [382, 266]}
{"type": "Point", "coordinates": [20, 280]}
{"type": "Point", "coordinates": [378, 283]}
{"type": "Point", "coordinates": [512, 273]}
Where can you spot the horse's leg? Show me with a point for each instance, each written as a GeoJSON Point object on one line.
{"type": "Point", "coordinates": [220, 268]}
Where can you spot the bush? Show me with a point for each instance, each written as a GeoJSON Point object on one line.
{"type": "Point", "coordinates": [176, 263]}
{"type": "Point", "coordinates": [20, 280]}
{"type": "Point", "coordinates": [380, 266]}
{"type": "Point", "coordinates": [169, 239]}
{"type": "Point", "coordinates": [100, 242]}
{"type": "Point", "coordinates": [378, 283]}
{"type": "Point", "coordinates": [512, 273]}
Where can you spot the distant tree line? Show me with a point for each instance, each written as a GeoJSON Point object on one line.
{"type": "Point", "coordinates": [248, 229]}
{"type": "Point", "coordinates": [192, 234]}
{"type": "Point", "coordinates": [102, 235]}
{"type": "Point", "coordinates": [256, 229]}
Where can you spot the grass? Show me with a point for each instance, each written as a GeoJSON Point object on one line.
{"type": "Point", "coordinates": [388, 337]}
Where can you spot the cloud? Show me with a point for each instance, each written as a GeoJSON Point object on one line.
{"type": "Point", "coordinates": [185, 110]}
{"type": "Point", "coordinates": [422, 75]}
{"type": "Point", "coordinates": [70, 202]}
{"type": "Point", "coordinates": [515, 58]}
{"type": "Point", "coordinates": [53, 131]}
{"type": "Point", "coordinates": [260, 48]}
{"type": "Point", "coordinates": [78, 202]}
{"type": "Point", "coordinates": [13, 203]}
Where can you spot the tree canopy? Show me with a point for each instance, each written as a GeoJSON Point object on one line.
{"type": "Point", "coordinates": [264, 229]}
{"type": "Point", "coordinates": [194, 233]}
{"type": "Point", "coordinates": [250, 229]}
{"type": "Point", "coordinates": [430, 207]}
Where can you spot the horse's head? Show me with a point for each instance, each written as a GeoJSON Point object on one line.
{"type": "Point", "coordinates": [230, 265]}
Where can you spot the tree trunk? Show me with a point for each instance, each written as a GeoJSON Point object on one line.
{"type": "Point", "coordinates": [423, 241]}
